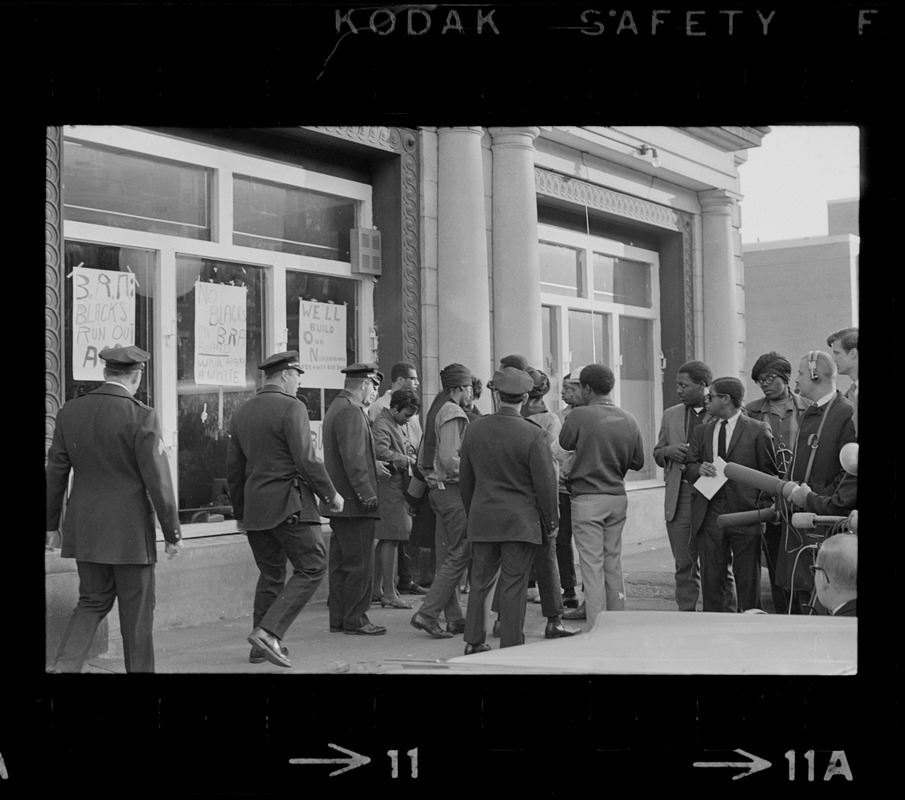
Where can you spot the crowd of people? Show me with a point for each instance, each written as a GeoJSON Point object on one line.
{"type": "Point", "coordinates": [491, 504]}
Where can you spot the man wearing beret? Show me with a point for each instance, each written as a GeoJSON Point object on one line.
{"type": "Point", "coordinates": [438, 460]}
{"type": "Point", "coordinates": [735, 438]}
{"type": "Point", "coordinates": [114, 446]}
{"type": "Point", "coordinates": [350, 461]}
{"type": "Point", "coordinates": [508, 485]}
{"type": "Point", "coordinates": [782, 409]}
{"type": "Point", "coordinates": [274, 477]}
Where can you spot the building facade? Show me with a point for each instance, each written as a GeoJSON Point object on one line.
{"type": "Point", "coordinates": [799, 291]}
{"type": "Point", "coordinates": [212, 248]}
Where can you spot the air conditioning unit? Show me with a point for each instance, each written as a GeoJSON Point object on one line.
{"type": "Point", "coordinates": [365, 247]}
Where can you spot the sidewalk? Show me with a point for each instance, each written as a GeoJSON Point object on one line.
{"type": "Point", "coordinates": [221, 647]}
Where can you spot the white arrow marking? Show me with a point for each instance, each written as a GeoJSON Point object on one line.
{"type": "Point", "coordinates": [755, 765]}
{"type": "Point", "coordinates": [356, 760]}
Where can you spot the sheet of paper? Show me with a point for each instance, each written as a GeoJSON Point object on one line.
{"type": "Point", "coordinates": [710, 486]}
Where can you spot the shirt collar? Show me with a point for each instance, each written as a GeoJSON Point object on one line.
{"type": "Point", "coordinates": [120, 384]}
{"type": "Point", "coordinates": [825, 399]}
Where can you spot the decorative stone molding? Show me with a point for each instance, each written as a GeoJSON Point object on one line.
{"type": "Point", "coordinates": [53, 281]}
{"type": "Point", "coordinates": [573, 190]}
{"type": "Point", "coordinates": [522, 138]}
{"type": "Point", "coordinates": [404, 143]}
{"type": "Point", "coordinates": [686, 227]}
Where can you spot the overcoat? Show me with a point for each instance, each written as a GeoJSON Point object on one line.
{"type": "Point", "coordinates": [507, 479]}
{"type": "Point", "coordinates": [272, 469]}
{"type": "Point", "coordinates": [114, 447]}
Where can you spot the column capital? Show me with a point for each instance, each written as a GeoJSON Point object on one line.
{"type": "Point", "coordinates": [514, 137]}
{"type": "Point", "coordinates": [462, 129]}
{"type": "Point", "coordinates": [717, 201]}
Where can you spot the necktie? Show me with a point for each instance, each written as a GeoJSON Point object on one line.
{"type": "Point", "coordinates": [721, 440]}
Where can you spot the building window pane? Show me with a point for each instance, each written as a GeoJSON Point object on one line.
{"type": "Point", "coordinates": [637, 383]}
{"type": "Point", "coordinates": [327, 289]}
{"type": "Point", "coordinates": [589, 339]}
{"type": "Point", "coordinates": [271, 216]}
{"type": "Point", "coordinates": [621, 281]}
{"type": "Point", "coordinates": [113, 306]}
{"type": "Point", "coordinates": [205, 409]}
{"type": "Point", "coordinates": [560, 269]}
{"type": "Point", "coordinates": [123, 190]}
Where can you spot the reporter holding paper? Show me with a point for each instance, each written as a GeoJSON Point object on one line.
{"type": "Point", "coordinates": [733, 437]}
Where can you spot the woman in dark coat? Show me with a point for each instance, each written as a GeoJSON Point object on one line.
{"type": "Point", "coordinates": [391, 446]}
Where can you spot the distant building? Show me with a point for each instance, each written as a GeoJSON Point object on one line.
{"type": "Point", "coordinates": [797, 291]}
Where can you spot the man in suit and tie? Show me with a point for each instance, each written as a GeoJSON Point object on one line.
{"type": "Point", "coordinates": [836, 575]}
{"type": "Point", "coordinates": [113, 444]}
{"type": "Point", "coordinates": [735, 438]}
{"type": "Point", "coordinates": [844, 345]}
{"type": "Point", "coordinates": [678, 425]}
{"type": "Point", "coordinates": [508, 486]}
{"type": "Point", "coordinates": [274, 477]}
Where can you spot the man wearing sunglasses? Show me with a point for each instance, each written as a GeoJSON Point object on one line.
{"type": "Point", "coordinates": [736, 438]}
{"type": "Point", "coordinates": [782, 409]}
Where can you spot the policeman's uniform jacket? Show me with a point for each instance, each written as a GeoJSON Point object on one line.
{"type": "Point", "coordinates": [349, 455]}
{"type": "Point", "coordinates": [112, 443]}
{"type": "Point", "coordinates": [507, 479]}
{"type": "Point", "coordinates": [273, 471]}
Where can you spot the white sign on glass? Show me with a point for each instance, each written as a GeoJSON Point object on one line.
{"type": "Point", "coordinates": [103, 315]}
{"type": "Point", "coordinates": [220, 333]}
{"type": "Point", "coordinates": [322, 343]}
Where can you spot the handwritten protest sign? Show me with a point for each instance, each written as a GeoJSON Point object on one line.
{"type": "Point", "coordinates": [103, 315]}
{"type": "Point", "coordinates": [322, 343]}
{"type": "Point", "coordinates": [220, 333]}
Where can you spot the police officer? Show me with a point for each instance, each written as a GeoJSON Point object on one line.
{"type": "Point", "coordinates": [350, 462]}
{"type": "Point", "coordinates": [112, 443]}
{"type": "Point", "coordinates": [274, 477]}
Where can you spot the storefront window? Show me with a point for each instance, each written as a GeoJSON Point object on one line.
{"type": "Point", "coordinates": [560, 269]}
{"type": "Point", "coordinates": [124, 190]}
{"type": "Point", "coordinates": [109, 302]}
{"type": "Point", "coordinates": [220, 333]}
{"type": "Point", "coordinates": [271, 216]}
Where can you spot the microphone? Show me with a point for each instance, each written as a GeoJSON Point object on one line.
{"type": "Point", "coordinates": [805, 520]}
{"type": "Point", "coordinates": [746, 518]}
{"type": "Point", "coordinates": [848, 457]}
{"type": "Point", "coordinates": [769, 484]}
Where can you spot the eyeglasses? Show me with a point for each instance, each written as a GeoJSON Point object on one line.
{"type": "Point", "coordinates": [766, 380]}
{"type": "Point", "coordinates": [815, 569]}
{"type": "Point", "coordinates": [708, 396]}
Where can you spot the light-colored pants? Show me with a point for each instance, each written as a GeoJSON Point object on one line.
{"type": "Point", "coordinates": [597, 522]}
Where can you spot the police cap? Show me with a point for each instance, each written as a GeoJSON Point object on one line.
{"type": "Point", "coordinates": [127, 358]}
{"type": "Point", "coordinates": [510, 380]}
{"type": "Point", "coordinates": [364, 371]}
{"type": "Point", "coordinates": [288, 359]}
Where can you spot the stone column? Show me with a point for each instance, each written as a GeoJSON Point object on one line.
{"type": "Point", "coordinates": [516, 271]}
{"type": "Point", "coordinates": [463, 285]}
{"type": "Point", "coordinates": [721, 305]}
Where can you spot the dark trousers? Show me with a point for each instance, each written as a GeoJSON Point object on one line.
{"type": "Point", "coordinates": [721, 551]}
{"type": "Point", "coordinates": [545, 572]}
{"type": "Point", "coordinates": [684, 551]}
{"type": "Point", "coordinates": [513, 562]}
{"type": "Point", "coordinates": [278, 601]}
{"type": "Point", "coordinates": [453, 555]}
{"type": "Point", "coordinates": [351, 566]}
{"type": "Point", "coordinates": [772, 539]}
{"type": "Point", "coordinates": [132, 586]}
{"type": "Point", "coordinates": [565, 554]}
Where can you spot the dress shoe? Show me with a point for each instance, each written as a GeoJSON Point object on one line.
{"type": "Point", "coordinates": [336, 629]}
{"type": "Point", "coordinates": [496, 628]}
{"type": "Point", "coordinates": [411, 588]}
{"type": "Point", "coordinates": [270, 645]}
{"type": "Point", "coordinates": [458, 626]}
{"type": "Point", "coordinates": [366, 630]}
{"type": "Point", "coordinates": [575, 613]}
{"type": "Point", "coordinates": [394, 602]}
{"type": "Point", "coordinates": [256, 656]}
{"type": "Point", "coordinates": [556, 630]}
{"type": "Point", "coordinates": [429, 626]}
{"type": "Point", "coordinates": [477, 648]}
{"type": "Point", "coordinates": [570, 601]}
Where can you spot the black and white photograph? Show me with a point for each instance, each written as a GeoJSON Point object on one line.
{"type": "Point", "coordinates": [455, 388]}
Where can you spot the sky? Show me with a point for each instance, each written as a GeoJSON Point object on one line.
{"type": "Point", "coordinates": [788, 180]}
